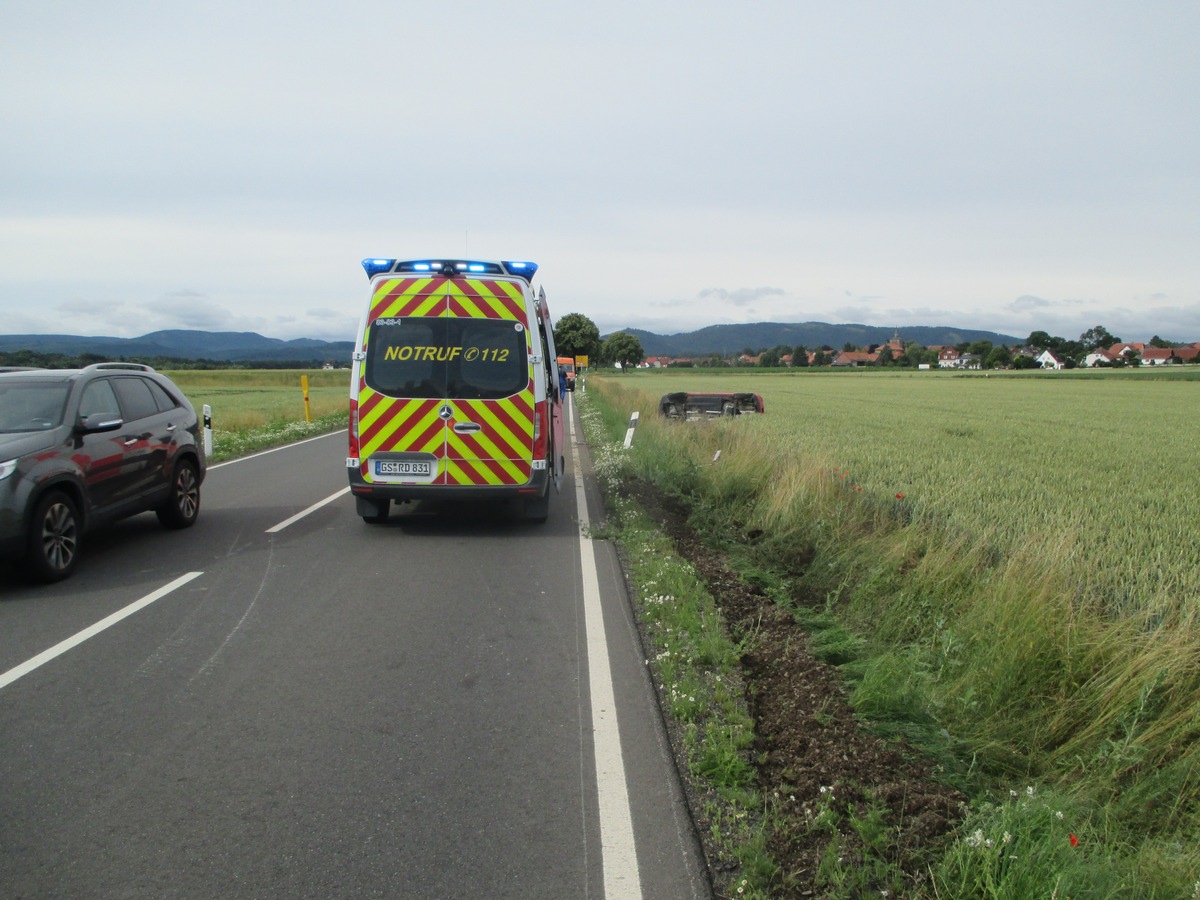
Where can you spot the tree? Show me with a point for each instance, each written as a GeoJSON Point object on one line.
{"type": "Point", "coordinates": [799, 355]}
{"type": "Point", "coordinates": [1039, 339]}
{"type": "Point", "coordinates": [885, 356]}
{"type": "Point", "coordinates": [998, 358]}
{"type": "Point", "coordinates": [820, 359]}
{"type": "Point", "coordinates": [1156, 341]}
{"type": "Point", "coordinates": [624, 348]}
{"type": "Point", "coordinates": [1071, 352]}
{"type": "Point", "coordinates": [1097, 338]}
{"type": "Point", "coordinates": [769, 359]}
{"type": "Point", "coordinates": [915, 354]}
{"type": "Point", "coordinates": [576, 335]}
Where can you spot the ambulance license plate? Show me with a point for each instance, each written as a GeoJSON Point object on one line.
{"type": "Point", "coordinates": [417, 468]}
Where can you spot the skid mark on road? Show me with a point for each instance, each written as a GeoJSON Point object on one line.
{"type": "Point", "coordinates": [211, 662]}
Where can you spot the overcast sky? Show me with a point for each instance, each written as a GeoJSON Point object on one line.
{"type": "Point", "coordinates": [1011, 166]}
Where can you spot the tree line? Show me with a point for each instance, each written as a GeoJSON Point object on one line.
{"type": "Point", "coordinates": [37, 360]}
{"type": "Point", "coordinates": [577, 335]}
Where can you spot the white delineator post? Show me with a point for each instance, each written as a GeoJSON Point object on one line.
{"type": "Point", "coordinates": [633, 420]}
{"type": "Point", "coordinates": [207, 430]}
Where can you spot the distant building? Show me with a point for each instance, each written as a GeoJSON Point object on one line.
{"type": "Point", "coordinates": [1047, 360]}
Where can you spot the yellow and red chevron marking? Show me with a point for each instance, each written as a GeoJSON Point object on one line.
{"type": "Point", "coordinates": [501, 451]}
{"type": "Point", "coordinates": [487, 472]}
{"type": "Point", "coordinates": [485, 299]}
{"type": "Point", "coordinates": [475, 298]}
{"type": "Point", "coordinates": [387, 424]}
{"type": "Point", "coordinates": [407, 297]}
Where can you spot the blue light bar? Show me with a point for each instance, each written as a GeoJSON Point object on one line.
{"type": "Point", "coordinates": [377, 266]}
{"type": "Point", "coordinates": [449, 267]}
{"type": "Point", "coordinates": [524, 269]}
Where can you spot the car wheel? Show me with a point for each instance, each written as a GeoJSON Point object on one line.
{"type": "Point", "coordinates": [183, 506]}
{"type": "Point", "coordinates": [54, 534]}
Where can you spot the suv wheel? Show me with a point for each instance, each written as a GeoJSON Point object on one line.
{"type": "Point", "coordinates": [54, 534]}
{"type": "Point", "coordinates": [183, 505]}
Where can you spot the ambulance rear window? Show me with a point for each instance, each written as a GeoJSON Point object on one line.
{"type": "Point", "coordinates": [456, 359]}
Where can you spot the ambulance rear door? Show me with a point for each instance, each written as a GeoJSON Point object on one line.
{"type": "Point", "coordinates": [446, 392]}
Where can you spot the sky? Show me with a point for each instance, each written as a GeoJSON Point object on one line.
{"type": "Point", "coordinates": [225, 166]}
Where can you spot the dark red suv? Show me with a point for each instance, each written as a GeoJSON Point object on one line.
{"type": "Point", "coordinates": [82, 447]}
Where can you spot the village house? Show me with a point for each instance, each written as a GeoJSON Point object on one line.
{"type": "Point", "coordinates": [948, 358]}
{"type": "Point", "coordinates": [1126, 350]}
{"type": "Point", "coordinates": [1048, 360]}
{"type": "Point", "coordinates": [1159, 356]}
{"type": "Point", "coordinates": [1099, 358]}
{"type": "Point", "coordinates": [855, 358]}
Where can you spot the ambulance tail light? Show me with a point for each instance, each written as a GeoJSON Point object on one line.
{"type": "Point", "coordinates": [541, 428]}
{"type": "Point", "coordinates": [353, 430]}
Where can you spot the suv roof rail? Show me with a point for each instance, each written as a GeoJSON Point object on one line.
{"type": "Point", "coordinates": [137, 367]}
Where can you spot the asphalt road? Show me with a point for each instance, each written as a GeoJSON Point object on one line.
{"type": "Point", "coordinates": [332, 709]}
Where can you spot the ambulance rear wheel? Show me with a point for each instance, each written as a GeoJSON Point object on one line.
{"type": "Point", "coordinates": [537, 509]}
{"type": "Point", "coordinates": [373, 512]}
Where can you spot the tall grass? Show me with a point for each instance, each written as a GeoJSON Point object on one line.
{"type": "Point", "coordinates": [1020, 562]}
{"type": "Point", "coordinates": [260, 408]}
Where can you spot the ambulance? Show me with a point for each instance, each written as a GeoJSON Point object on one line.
{"type": "Point", "coordinates": [566, 365]}
{"type": "Point", "coordinates": [454, 387]}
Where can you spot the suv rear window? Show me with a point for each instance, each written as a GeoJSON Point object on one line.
{"type": "Point", "coordinates": [136, 400]}
{"type": "Point", "coordinates": [452, 358]}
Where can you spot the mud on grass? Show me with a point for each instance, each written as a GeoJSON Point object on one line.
{"type": "Point", "coordinates": [848, 812]}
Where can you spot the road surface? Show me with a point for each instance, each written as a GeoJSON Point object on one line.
{"type": "Point", "coordinates": [286, 701]}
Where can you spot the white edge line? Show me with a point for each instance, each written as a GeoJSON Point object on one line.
{"type": "Point", "coordinates": [300, 515]}
{"type": "Point", "coordinates": [617, 845]}
{"type": "Point", "coordinates": [63, 646]}
{"type": "Point", "coordinates": [230, 462]}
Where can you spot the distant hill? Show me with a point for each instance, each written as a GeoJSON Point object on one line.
{"type": "Point", "coordinates": [248, 346]}
{"type": "Point", "coordinates": [728, 340]}
{"type": "Point", "coordinates": [228, 346]}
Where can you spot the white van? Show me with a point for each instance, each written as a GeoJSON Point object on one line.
{"type": "Point", "coordinates": [454, 387]}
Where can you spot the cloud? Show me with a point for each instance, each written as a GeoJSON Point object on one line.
{"type": "Point", "coordinates": [741, 296]}
{"type": "Point", "coordinates": [855, 314]}
{"type": "Point", "coordinates": [1027, 303]}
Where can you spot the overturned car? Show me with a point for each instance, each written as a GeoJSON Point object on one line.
{"type": "Point", "coordinates": [685, 405]}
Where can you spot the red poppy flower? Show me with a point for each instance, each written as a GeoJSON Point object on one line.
{"type": "Point", "coordinates": [1074, 841]}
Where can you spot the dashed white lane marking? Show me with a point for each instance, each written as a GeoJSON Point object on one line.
{"type": "Point", "coordinates": [91, 631]}
{"type": "Point", "coordinates": [300, 515]}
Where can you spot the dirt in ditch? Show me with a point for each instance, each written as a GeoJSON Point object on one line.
{"type": "Point", "coordinates": [812, 751]}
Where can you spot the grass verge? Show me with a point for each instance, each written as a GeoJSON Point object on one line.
{"type": "Point", "coordinates": [230, 444]}
{"type": "Point", "coordinates": [1073, 731]}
